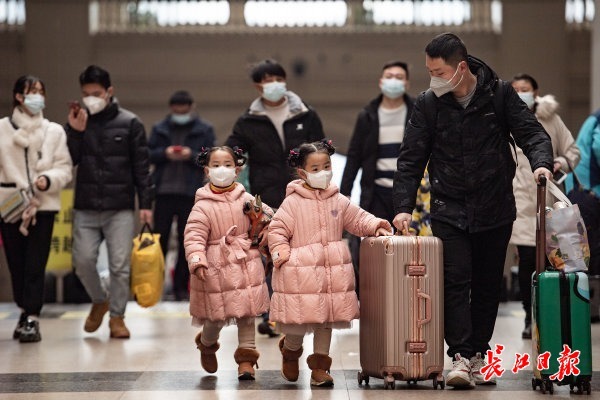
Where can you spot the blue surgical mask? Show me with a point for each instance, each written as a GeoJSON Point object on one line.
{"type": "Point", "coordinates": [527, 98]}
{"type": "Point", "coordinates": [274, 91]}
{"type": "Point", "coordinates": [392, 88]}
{"type": "Point", "coordinates": [181, 119]}
{"type": "Point", "coordinates": [34, 102]}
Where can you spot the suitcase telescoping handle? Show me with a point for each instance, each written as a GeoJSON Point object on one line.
{"type": "Point", "coordinates": [540, 232]}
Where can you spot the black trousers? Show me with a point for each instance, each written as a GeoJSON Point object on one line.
{"type": "Point", "coordinates": [473, 270]}
{"type": "Point", "coordinates": [382, 205]}
{"type": "Point", "coordinates": [168, 206]}
{"type": "Point", "coordinates": [27, 257]}
{"type": "Point", "coordinates": [526, 268]}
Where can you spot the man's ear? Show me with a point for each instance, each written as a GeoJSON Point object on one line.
{"type": "Point", "coordinates": [258, 87]}
{"type": "Point", "coordinates": [110, 91]}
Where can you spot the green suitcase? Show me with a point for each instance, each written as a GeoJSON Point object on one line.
{"type": "Point", "coordinates": [561, 321]}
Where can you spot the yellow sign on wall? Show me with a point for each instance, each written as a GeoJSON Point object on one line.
{"type": "Point", "coordinates": [62, 236]}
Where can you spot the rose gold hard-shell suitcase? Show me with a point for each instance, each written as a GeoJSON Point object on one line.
{"type": "Point", "coordinates": [401, 310]}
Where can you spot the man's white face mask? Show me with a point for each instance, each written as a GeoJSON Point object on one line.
{"type": "Point", "coordinates": [440, 86]}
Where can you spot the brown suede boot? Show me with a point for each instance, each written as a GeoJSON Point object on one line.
{"type": "Point", "coordinates": [208, 359]}
{"type": "Point", "coordinates": [246, 359]}
{"type": "Point", "coordinates": [118, 330]}
{"type": "Point", "coordinates": [94, 319]}
{"type": "Point", "coordinates": [319, 364]}
{"type": "Point", "coordinates": [289, 366]}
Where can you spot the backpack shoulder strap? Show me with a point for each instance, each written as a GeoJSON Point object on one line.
{"type": "Point", "coordinates": [498, 101]}
{"type": "Point", "coordinates": [430, 109]}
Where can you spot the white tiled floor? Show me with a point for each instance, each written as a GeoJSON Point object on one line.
{"type": "Point", "coordinates": [160, 361]}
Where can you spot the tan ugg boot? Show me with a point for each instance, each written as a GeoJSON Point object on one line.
{"type": "Point", "coordinates": [208, 359]}
{"type": "Point", "coordinates": [246, 359]}
{"type": "Point", "coordinates": [319, 364]}
{"type": "Point", "coordinates": [94, 319]}
{"type": "Point", "coordinates": [289, 366]}
{"type": "Point", "coordinates": [118, 330]}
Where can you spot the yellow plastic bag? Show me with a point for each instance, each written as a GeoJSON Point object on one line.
{"type": "Point", "coordinates": [147, 268]}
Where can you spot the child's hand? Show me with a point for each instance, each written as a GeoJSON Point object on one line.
{"type": "Point", "coordinates": [383, 232]}
{"type": "Point", "coordinates": [200, 272]}
{"type": "Point", "coordinates": [263, 235]}
{"type": "Point", "coordinates": [280, 257]}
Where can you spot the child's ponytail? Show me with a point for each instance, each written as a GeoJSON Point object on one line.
{"type": "Point", "coordinates": [297, 156]}
{"type": "Point", "coordinates": [237, 153]}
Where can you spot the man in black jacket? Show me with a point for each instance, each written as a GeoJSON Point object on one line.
{"type": "Point", "coordinates": [464, 135]}
{"type": "Point", "coordinates": [174, 145]}
{"type": "Point", "coordinates": [276, 122]}
{"type": "Point", "coordinates": [108, 144]}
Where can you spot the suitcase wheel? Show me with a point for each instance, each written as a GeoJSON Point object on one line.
{"type": "Point", "coordinates": [582, 387]}
{"type": "Point", "coordinates": [547, 386]}
{"type": "Point", "coordinates": [389, 382]}
{"type": "Point", "coordinates": [362, 377]}
{"type": "Point", "coordinates": [587, 386]}
{"type": "Point", "coordinates": [439, 381]}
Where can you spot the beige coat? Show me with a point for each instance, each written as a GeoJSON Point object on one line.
{"type": "Point", "coordinates": [524, 187]}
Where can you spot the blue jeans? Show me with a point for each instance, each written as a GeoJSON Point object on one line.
{"type": "Point", "coordinates": [473, 270]}
{"type": "Point", "coordinates": [89, 229]}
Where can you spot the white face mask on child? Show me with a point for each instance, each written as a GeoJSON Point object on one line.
{"type": "Point", "coordinates": [221, 176]}
{"type": "Point", "coordinates": [319, 180]}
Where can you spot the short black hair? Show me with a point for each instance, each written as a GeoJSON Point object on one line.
{"type": "Point", "coordinates": [181, 97]}
{"type": "Point", "coordinates": [526, 77]}
{"type": "Point", "coordinates": [448, 47]}
{"type": "Point", "coordinates": [267, 67]}
{"type": "Point", "coordinates": [95, 74]}
{"type": "Point", "coordinates": [400, 64]}
{"type": "Point", "coordinates": [23, 84]}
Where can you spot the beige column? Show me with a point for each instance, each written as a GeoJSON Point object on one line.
{"type": "Point", "coordinates": [595, 61]}
{"type": "Point", "coordinates": [534, 41]}
{"type": "Point", "coordinates": [57, 47]}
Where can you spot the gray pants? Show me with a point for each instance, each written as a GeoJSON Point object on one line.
{"type": "Point", "coordinates": [89, 229]}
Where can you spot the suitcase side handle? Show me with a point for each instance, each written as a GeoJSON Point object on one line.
{"type": "Point", "coordinates": [427, 298]}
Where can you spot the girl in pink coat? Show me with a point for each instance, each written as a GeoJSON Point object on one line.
{"type": "Point", "coordinates": [313, 278]}
{"type": "Point", "coordinates": [227, 278]}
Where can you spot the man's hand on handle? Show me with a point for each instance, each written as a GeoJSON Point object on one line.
{"type": "Point", "coordinates": [536, 175]}
{"type": "Point", "coordinates": [402, 222]}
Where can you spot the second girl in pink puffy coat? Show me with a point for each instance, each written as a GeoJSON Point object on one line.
{"type": "Point", "coordinates": [313, 278]}
{"type": "Point", "coordinates": [227, 278]}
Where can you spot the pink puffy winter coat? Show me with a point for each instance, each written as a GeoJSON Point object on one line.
{"type": "Point", "coordinates": [216, 237]}
{"type": "Point", "coordinates": [316, 284]}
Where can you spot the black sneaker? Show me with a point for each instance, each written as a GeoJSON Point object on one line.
{"type": "Point", "coordinates": [20, 326]}
{"type": "Point", "coordinates": [526, 334]}
{"type": "Point", "coordinates": [267, 328]}
{"type": "Point", "coordinates": [31, 332]}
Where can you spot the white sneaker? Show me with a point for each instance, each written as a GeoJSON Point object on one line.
{"type": "Point", "coordinates": [477, 362]}
{"type": "Point", "coordinates": [460, 375]}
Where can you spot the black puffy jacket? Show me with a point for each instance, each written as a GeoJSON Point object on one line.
{"type": "Point", "coordinates": [113, 162]}
{"type": "Point", "coordinates": [267, 157]}
{"type": "Point", "coordinates": [471, 164]}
